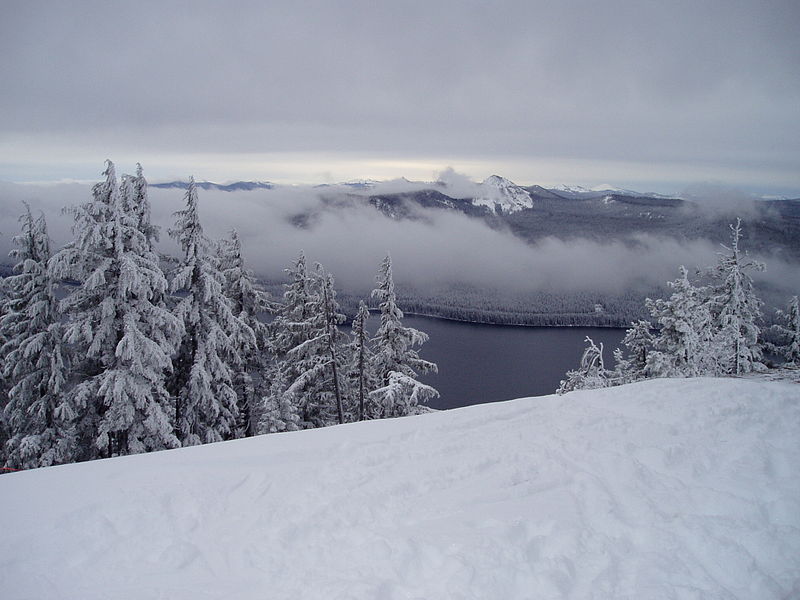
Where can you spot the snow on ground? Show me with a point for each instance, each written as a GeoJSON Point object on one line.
{"type": "Point", "coordinates": [662, 489]}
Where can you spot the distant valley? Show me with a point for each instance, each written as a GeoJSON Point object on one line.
{"type": "Point", "coordinates": [488, 252]}
{"type": "Point", "coordinates": [772, 227]}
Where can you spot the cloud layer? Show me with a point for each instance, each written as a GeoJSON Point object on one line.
{"type": "Point", "coordinates": [441, 249]}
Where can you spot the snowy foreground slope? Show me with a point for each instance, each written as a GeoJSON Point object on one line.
{"type": "Point", "coordinates": [662, 489]}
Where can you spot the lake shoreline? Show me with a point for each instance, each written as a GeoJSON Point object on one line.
{"type": "Point", "coordinates": [480, 362]}
{"type": "Point", "coordinates": [490, 324]}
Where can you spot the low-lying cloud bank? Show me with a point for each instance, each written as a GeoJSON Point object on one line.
{"type": "Point", "coordinates": [350, 238]}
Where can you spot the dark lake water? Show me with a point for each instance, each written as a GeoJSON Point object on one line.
{"type": "Point", "coordinates": [490, 363]}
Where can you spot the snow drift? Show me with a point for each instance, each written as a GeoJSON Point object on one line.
{"type": "Point", "coordinates": [661, 489]}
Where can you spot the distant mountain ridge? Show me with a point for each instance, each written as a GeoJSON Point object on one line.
{"type": "Point", "coordinates": [568, 212]}
{"type": "Point", "coordinates": [236, 186]}
{"type": "Point", "coordinates": [772, 226]}
{"type": "Point", "coordinates": [495, 189]}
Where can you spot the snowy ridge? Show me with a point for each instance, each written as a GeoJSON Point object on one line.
{"type": "Point", "coordinates": [502, 195]}
{"type": "Point", "coordinates": [661, 489]}
{"type": "Point", "coordinates": [572, 189]}
{"type": "Point", "coordinates": [597, 191]}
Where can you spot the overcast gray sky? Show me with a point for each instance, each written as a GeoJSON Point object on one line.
{"type": "Point", "coordinates": [640, 94]}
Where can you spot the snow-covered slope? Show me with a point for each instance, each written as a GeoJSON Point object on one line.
{"type": "Point", "coordinates": [499, 193]}
{"type": "Point", "coordinates": [663, 489]}
{"type": "Point", "coordinates": [597, 191]}
{"type": "Point", "coordinates": [574, 190]}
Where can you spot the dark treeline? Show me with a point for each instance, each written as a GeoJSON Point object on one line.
{"type": "Point", "coordinates": [506, 307]}
{"type": "Point", "coordinates": [142, 352]}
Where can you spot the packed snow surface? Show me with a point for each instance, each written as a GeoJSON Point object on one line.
{"type": "Point", "coordinates": [662, 489]}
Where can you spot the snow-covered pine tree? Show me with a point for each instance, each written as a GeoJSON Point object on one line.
{"type": "Point", "coordinates": [38, 416]}
{"type": "Point", "coordinates": [402, 395]}
{"type": "Point", "coordinates": [622, 372]}
{"type": "Point", "coordinates": [735, 308]}
{"type": "Point", "coordinates": [361, 376]}
{"type": "Point", "coordinates": [278, 412]}
{"type": "Point", "coordinates": [790, 333]}
{"type": "Point", "coordinates": [590, 375]}
{"type": "Point", "coordinates": [289, 328]}
{"type": "Point", "coordinates": [119, 327]}
{"type": "Point", "coordinates": [3, 390]}
{"type": "Point", "coordinates": [334, 338]}
{"type": "Point", "coordinates": [251, 339]}
{"type": "Point", "coordinates": [639, 341]}
{"type": "Point", "coordinates": [683, 346]}
{"type": "Point", "coordinates": [134, 190]}
{"type": "Point", "coordinates": [3, 384]}
{"type": "Point", "coordinates": [316, 362]}
{"type": "Point", "coordinates": [205, 402]}
{"type": "Point", "coordinates": [395, 353]}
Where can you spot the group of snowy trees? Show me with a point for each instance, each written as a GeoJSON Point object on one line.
{"type": "Point", "coordinates": [135, 359]}
{"type": "Point", "coordinates": [321, 375]}
{"type": "Point", "coordinates": [709, 327]}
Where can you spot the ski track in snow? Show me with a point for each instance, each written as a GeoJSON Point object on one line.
{"type": "Point", "coordinates": [662, 489]}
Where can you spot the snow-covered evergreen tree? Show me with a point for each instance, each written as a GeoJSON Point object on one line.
{"type": "Point", "coordinates": [278, 412]}
{"type": "Point", "coordinates": [205, 402]}
{"type": "Point", "coordinates": [134, 190]}
{"type": "Point", "coordinates": [290, 326]}
{"type": "Point", "coordinates": [622, 372]}
{"type": "Point", "coordinates": [735, 308]}
{"type": "Point", "coordinates": [684, 345]}
{"type": "Point", "coordinates": [118, 326]}
{"type": "Point", "coordinates": [37, 415]}
{"type": "Point", "coordinates": [334, 338]}
{"type": "Point", "coordinates": [361, 375]}
{"type": "Point", "coordinates": [590, 375]}
{"type": "Point", "coordinates": [789, 332]}
{"type": "Point", "coordinates": [250, 339]}
{"type": "Point", "coordinates": [289, 329]}
{"type": "Point", "coordinates": [639, 341]}
{"type": "Point", "coordinates": [402, 395]}
{"type": "Point", "coordinates": [394, 353]}
{"type": "Point", "coordinates": [3, 386]}
{"type": "Point", "coordinates": [313, 368]}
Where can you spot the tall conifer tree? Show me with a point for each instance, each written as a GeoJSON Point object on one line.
{"type": "Point", "coordinates": [684, 346]}
{"type": "Point", "coordinates": [290, 328]}
{"type": "Point", "coordinates": [38, 416]}
{"type": "Point", "coordinates": [118, 325]}
{"type": "Point", "coordinates": [250, 337]}
{"type": "Point", "coordinates": [396, 362]}
{"type": "Point", "coordinates": [361, 373]}
{"type": "Point", "coordinates": [790, 332]}
{"type": "Point", "coordinates": [735, 308]}
{"type": "Point", "coordinates": [206, 407]}
{"type": "Point", "coordinates": [312, 368]}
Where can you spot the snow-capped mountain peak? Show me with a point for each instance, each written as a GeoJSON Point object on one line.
{"type": "Point", "coordinates": [502, 195]}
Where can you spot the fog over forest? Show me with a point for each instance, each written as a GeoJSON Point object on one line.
{"type": "Point", "coordinates": [436, 249]}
